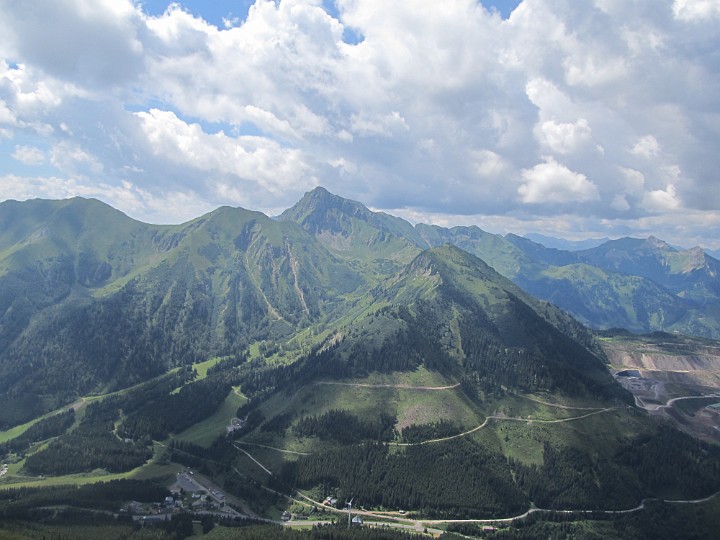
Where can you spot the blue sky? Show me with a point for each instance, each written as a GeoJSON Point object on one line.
{"type": "Point", "coordinates": [217, 12]}
{"type": "Point", "coordinates": [565, 118]}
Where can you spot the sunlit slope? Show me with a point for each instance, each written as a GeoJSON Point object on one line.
{"type": "Point", "coordinates": [157, 296]}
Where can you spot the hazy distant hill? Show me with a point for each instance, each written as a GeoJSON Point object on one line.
{"type": "Point", "coordinates": [690, 274]}
{"type": "Point", "coordinates": [713, 253]}
{"type": "Point", "coordinates": [563, 243]}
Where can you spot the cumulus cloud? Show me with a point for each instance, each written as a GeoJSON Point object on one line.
{"type": "Point", "coordinates": [29, 155]}
{"type": "Point", "coordinates": [634, 181]}
{"type": "Point", "coordinates": [488, 163]}
{"type": "Point", "coordinates": [263, 162]}
{"type": "Point", "coordinates": [563, 138]}
{"type": "Point", "coordinates": [384, 125]}
{"type": "Point", "coordinates": [691, 10]}
{"type": "Point", "coordinates": [661, 200]}
{"type": "Point", "coordinates": [72, 159]}
{"type": "Point", "coordinates": [92, 43]}
{"type": "Point", "coordinates": [442, 108]}
{"type": "Point", "coordinates": [647, 147]}
{"type": "Point", "coordinates": [553, 182]}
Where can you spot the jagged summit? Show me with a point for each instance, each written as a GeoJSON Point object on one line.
{"type": "Point", "coordinates": [319, 210]}
{"type": "Point", "coordinates": [345, 225]}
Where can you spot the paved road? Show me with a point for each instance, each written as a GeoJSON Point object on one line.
{"type": "Point", "coordinates": [639, 402]}
{"type": "Point", "coordinates": [419, 525]}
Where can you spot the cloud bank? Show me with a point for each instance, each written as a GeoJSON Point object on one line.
{"type": "Point", "coordinates": [568, 118]}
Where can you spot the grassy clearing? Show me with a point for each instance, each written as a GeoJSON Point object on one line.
{"type": "Point", "coordinates": [524, 441]}
{"type": "Point", "coordinates": [520, 443]}
{"type": "Point", "coordinates": [22, 428]}
{"type": "Point", "coordinates": [203, 367]}
{"type": "Point", "coordinates": [152, 469]}
{"type": "Point", "coordinates": [205, 432]}
{"type": "Point", "coordinates": [411, 405]}
{"type": "Point", "coordinates": [18, 430]}
{"type": "Point", "coordinates": [423, 407]}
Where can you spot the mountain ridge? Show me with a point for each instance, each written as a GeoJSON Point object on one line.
{"type": "Point", "coordinates": [657, 298]}
{"type": "Point", "coordinates": [171, 295]}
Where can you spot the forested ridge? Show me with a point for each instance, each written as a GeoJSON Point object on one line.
{"type": "Point", "coordinates": [445, 479]}
{"type": "Point", "coordinates": [116, 433]}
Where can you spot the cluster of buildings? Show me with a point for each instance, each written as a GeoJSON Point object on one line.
{"type": "Point", "coordinates": [187, 495]}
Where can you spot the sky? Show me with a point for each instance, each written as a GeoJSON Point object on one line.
{"type": "Point", "coordinates": [573, 119]}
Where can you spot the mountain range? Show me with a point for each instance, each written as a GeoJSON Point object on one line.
{"type": "Point", "coordinates": [642, 285]}
{"type": "Point", "coordinates": [449, 368]}
{"type": "Point", "coordinates": [92, 300]}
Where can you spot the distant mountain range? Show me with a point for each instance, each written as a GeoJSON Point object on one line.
{"type": "Point", "coordinates": [588, 243]}
{"type": "Point", "coordinates": [563, 243]}
{"type": "Point", "coordinates": [641, 285]}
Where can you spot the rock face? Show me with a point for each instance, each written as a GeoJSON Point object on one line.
{"type": "Point", "coordinates": [672, 358]}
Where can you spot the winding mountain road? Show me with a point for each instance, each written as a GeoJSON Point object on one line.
{"type": "Point", "coordinates": [406, 523]}
{"type": "Point", "coordinates": [504, 418]}
{"type": "Point", "coordinates": [639, 402]}
{"type": "Point", "coordinates": [398, 386]}
{"type": "Point", "coordinates": [420, 524]}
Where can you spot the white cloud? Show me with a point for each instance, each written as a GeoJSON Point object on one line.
{"type": "Point", "coordinates": [634, 181]}
{"type": "Point", "coordinates": [72, 159]}
{"type": "Point", "coordinates": [7, 117]}
{"type": "Point", "coordinates": [29, 155]}
{"type": "Point", "coordinates": [661, 200]}
{"type": "Point", "coordinates": [552, 182]}
{"type": "Point", "coordinates": [347, 167]}
{"type": "Point", "coordinates": [563, 138]}
{"type": "Point", "coordinates": [168, 207]}
{"type": "Point", "coordinates": [440, 106]}
{"type": "Point", "coordinates": [547, 97]}
{"type": "Point", "coordinates": [488, 163]}
{"type": "Point", "coordinates": [383, 125]}
{"type": "Point", "coordinates": [593, 70]}
{"type": "Point", "coordinates": [692, 10]}
{"type": "Point", "coordinates": [26, 98]}
{"type": "Point", "coordinates": [647, 147]}
{"type": "Point", "coordinates": [96, 44]}
{"type": "Point", "coordinates": [256, 159]}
